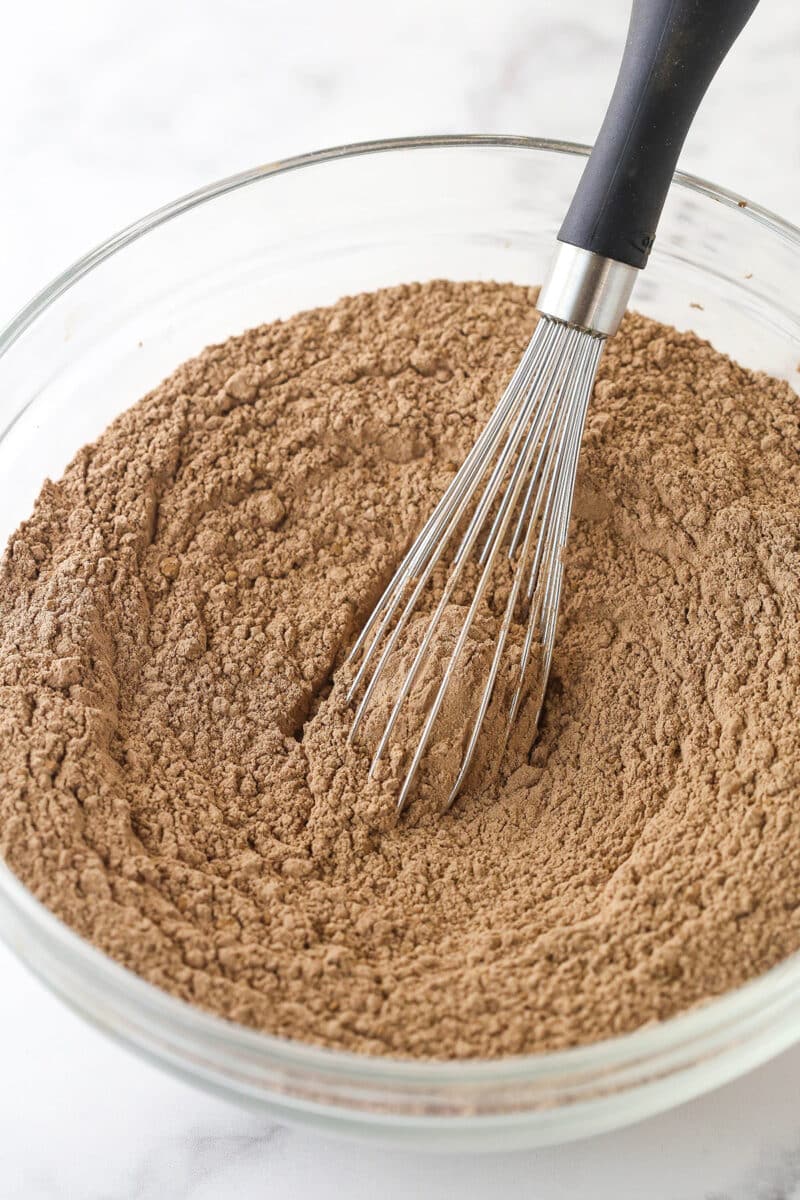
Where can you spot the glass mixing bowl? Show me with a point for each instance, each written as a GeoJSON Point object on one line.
{"type": "Point", "coordinates": [264, 245]}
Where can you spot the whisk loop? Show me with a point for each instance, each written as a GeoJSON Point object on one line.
{"type": "Point", "coordinates": [511, 499]}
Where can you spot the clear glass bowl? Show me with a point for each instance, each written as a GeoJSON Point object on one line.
{"type": "Point", "coordinates": [266, 244]}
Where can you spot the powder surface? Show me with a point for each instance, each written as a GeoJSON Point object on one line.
{"type": "Point", "coordinates": [174, 776]}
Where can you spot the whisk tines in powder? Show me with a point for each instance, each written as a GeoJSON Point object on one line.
{"type": "Point", "coordinates": [497, 535]}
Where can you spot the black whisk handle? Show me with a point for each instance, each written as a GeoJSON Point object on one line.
{"type": "Point", "coordinates": [672, 53]}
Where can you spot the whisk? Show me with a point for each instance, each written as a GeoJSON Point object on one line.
{"type": "Point", "coordinates": [500, 529]}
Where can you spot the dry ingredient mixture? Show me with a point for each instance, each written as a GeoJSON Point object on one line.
{"type": "Point", "coordinates": [174, 779]}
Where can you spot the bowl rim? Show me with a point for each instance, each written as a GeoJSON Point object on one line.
{"type": "Point", "coordinates": [20, 321]}
{"type": "Point", "coordinates": [618, 1052]}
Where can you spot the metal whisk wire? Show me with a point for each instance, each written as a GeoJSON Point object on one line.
{"type": "Point", "coordinates": [529, 448]}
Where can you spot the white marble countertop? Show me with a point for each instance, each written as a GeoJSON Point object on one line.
{"type": "Point", "coordinates": [112, 108]}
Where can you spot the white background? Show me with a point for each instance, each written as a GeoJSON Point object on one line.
{"type": "Point", "coordinates": [108, 109]}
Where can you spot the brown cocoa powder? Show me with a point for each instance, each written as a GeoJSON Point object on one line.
{"type": "Point", "coordinates": [174, 777]}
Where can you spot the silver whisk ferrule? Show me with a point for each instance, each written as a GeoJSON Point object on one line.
{"type": "Point", "coordinates": [587, 290]}
{"type": "Point", "coordinates": [506, 510]}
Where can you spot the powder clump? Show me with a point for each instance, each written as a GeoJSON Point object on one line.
{"type": "Point", "coordinates": [175, 778]}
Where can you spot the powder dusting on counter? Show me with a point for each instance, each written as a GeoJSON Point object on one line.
{"type": "Point", "coordinates": [175, 782]}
